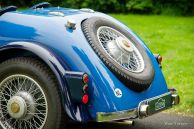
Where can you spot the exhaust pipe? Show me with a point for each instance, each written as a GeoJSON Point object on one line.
{"type": "Point", "coordinates": [122, 123]}
{"type": "Point", "coordinates": [128, 122]}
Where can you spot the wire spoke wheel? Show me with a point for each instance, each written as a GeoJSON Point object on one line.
{"type": "Point", "coordinates": [23, 104]}
{"type": "Point", "coordinates": [120, 49]}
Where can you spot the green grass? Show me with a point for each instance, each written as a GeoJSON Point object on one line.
{"type": "Point", "coordinates": [173, 38]}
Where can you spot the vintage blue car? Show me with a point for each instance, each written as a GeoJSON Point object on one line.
{"type": "Point", "coordinates": [59, 65]}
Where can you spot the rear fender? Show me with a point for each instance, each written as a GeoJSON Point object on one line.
{"type": "Point", "coordinates": [75, 111]}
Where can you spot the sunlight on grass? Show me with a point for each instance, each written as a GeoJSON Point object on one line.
{"type": "Point", "coordinates": [173, 38]}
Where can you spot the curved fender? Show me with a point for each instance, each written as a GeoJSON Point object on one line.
{"type": "Point", "coordinates": [59, 68]}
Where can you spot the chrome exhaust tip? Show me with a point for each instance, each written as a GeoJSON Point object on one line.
{"type": "Point", "coordinates": [175, 99]}
{"type": "Point", "coordinates": [175, 96]}
{"type": "Point", "coordinates": [128, 122]}
{"type": "Point", "coordinates": [122, 123]}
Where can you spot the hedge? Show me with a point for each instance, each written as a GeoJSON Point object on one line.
{"type": "Point", "coordinates": [175, 7]}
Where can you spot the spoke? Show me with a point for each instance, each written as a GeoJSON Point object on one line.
{"type": "Point", "coordinates": [25, 125]}
{"type": "Point", "coordinates": [122, 53]}
{"type": "Point", "coordinates": [32, 126]}
{"type": "Point", "coordinates": [5, 93]}
{"type": "Point", "coordinates": [8, 120]}
{"type": "Point", "coordinates": [34, 92]}
{"type": "Point", "coordinates": [3, 106]}
{"type": "Point", "coordinates": [9, 86]}
{"type": "Point", "coordinates": [40, 111]}
{"type": "Point", "coordinates": [39, 118]}
{"type": "Point", "coordinates": [40, 104]}
{"type": "Point", "coordinates": [16, 88]}
{"type": "Point", "coordinates": [31, 87]}
{"type": "Point", "coordinates": [2, 98]}
{"type": "Point", "coordinates": [36, 123]}
{"type": "Point", "coordinates": [43, 104]}
{"type": "Point", "coordinates": [21, 85]}
{"type": "Point", "coordinates": [20, 125]}
{"type": "Point", "coordinates": [14, 123]}
{"type": "Point", "coordinates": [40, 98]}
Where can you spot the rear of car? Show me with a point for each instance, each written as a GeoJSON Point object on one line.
{"type": "Point", "coordinates": [75, 64]}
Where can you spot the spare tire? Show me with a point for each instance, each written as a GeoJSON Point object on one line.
{"type": "Point", "coordinates": [120, 51]}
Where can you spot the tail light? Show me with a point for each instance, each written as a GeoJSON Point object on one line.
{"type": "Point", "coordinates": [85, 87]}
{"type": "Point", "coordinates": [85, 99]}
{"type": "Point", "coordinates": [78, 86]}
{"type": "Point", "coordinates": [85, 78]}
{"type": "Point", "coordinates": [159, 59]}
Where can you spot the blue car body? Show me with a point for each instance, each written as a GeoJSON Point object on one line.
{"type": "Point", "coordinates": [64, 49]}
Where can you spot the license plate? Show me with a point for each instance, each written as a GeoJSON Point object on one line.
{"type": "Point", "coordinates": [159, 103]}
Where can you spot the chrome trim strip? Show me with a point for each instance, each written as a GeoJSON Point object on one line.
{"type": "Point", "coordinates": [135, 113]}
{"type": "Point", "coordinates": [114, 116]}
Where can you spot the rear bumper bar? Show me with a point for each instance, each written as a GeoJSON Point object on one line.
{"type": "Point", "coordinates": [146, 108]}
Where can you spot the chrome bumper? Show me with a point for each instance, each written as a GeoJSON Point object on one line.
{"type": "Point", "coordinates": [146, 108]}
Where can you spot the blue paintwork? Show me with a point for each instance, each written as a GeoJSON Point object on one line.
{"type": "Point", "coordinates": [49, 33]}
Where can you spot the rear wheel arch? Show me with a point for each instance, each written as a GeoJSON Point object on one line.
{"type": "Point", "coordinates": [15, 52]}
{"type": "Point", "coordinates": [19, 52]}
{"type": "Point", "coordinates": [47, 57]}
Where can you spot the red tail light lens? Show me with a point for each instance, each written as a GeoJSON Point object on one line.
{"type": "Point", "coordinates": [85, 78]}
{"type": "Point", "coordinates": [85, 99]}
{"type": "Point", "coordinates": [85, 87]}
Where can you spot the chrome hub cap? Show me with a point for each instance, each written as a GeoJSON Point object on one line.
{"type": "Point", "coordinates": [121, 49]}
{"type": "Point", "coordinates": [23, 104]}
{"type": "Point", "coordinates": [17, 107]}
{"type": "Point", "coordinates": [124, 44]}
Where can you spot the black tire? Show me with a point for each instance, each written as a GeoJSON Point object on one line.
{"type": "Point", "coordinates": [135, 81]}
{"type": "Point", "coordinates": [38, 71]}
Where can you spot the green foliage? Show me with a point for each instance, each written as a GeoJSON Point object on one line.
{"type": "Point", "coordinates": [172, 7]}
{"type": "Point", "coordinates": [100, 5]}
{"type": "Point", "coordinates": [177, 7]}
{"type": "Point", "coordinates": [141, 6]}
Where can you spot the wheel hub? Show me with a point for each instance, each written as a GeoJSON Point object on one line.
{"type": "Point", "coordinates": [17, 107]}
{"type": "Point", "coordinates": [124, 44]}
{"type": "Point", "coordinates": [31, 107]}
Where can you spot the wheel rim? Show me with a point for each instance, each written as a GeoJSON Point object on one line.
{"type": "Point", "coordinates": [120, 49]}
{"type": "Point", "coordinates": [23, 104]}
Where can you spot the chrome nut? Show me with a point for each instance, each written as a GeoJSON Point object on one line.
{"type": "Point", "coordinates": [71, 24]}
{"type": "Point", "coordinates": [143, 110]}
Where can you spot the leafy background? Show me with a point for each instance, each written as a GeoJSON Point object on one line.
{"type": "Point", "coordinates": [172, 7]}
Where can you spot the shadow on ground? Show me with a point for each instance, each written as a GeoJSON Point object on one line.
{"type": "Point", "coordinates": [159, 121]}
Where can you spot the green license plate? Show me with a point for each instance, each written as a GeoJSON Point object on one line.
{"type": "Point", "coordinates": [159, 103]}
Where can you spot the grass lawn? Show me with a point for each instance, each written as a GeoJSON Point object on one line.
{"type": "Point", "coordinates": [173, 38]}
